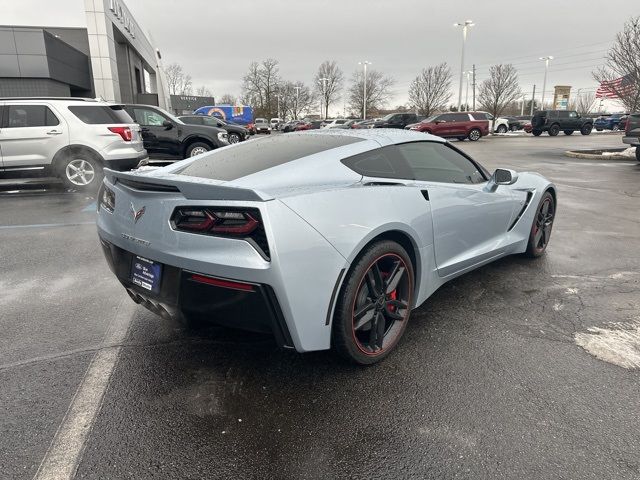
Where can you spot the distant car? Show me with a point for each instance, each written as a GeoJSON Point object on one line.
{"type": "Point", "coordinates": [632, 132]}
{"type": "Point", "coordinates": [527, 127]}
{"type": "Point", "coordinates": [608, 122]}
{"type": "Point", "coordinates": [335, 123]}
{"type": "Point", "coordinates": [622, 124]}
{"type": "Point", "coordinates": [235, 133]}
{"type": "Point", "coordinates": [291, 126]}
{"type": "Point", "coordinates": [251, 126]}
{"type": "Point", "coordinates": [73, 139]}
{"type": "Point", "coordinates": [363, 124]}
{"type": "Point", "coordinates": [262, 126]}
{"type": "Point", "coordinates": [166, 137]}
{"type": "Point", "coordinates": [471, 125]}
{"type": "Point", "coordinates": [396, 120]}
{"type": "Point", "coordinates": [554, 121]}
{"type": "Point", "coordinates": [517, 122]}
{"type": "Point", "coordinates": [274, 122]}
{"type": "Point", "coordinates": [313, 125]}
{"type": "Point", "coordinates": [346, 125]}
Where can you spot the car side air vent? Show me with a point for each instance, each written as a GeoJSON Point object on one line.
{"type": "Point", "coordinates": [384, 184]}
{"type": "Point", "coordinates": [148, 187]}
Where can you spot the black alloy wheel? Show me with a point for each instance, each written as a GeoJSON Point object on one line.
{"type": "Point", "coordinates": [586, 129]}
{"type": "Point", "coordinates": [234, 137]}
{"type": "Point", "coordinates": [554, 130]}
{"type": "Point", "coordinates": [542, 226]}
{"type": "Point", "coordinates": [537, 133]}
{"type": "Point", "coordinates": [568, 132]}
{"type": "Point", "coordinates": [375, 304]}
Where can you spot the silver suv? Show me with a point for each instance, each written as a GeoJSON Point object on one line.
{"type": "Point", "coordinates": [73, 138]}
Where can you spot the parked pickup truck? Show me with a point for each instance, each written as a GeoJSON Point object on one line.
{"type": "Point", "coordinates": [632, 133]}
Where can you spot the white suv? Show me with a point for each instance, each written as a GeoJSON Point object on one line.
{"type": "Point", "coordinates": [74, 138]}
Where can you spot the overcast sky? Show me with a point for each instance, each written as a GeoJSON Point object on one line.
{"type": "Point", "coordinates": [215, 40]}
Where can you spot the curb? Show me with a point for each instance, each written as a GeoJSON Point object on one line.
{"type": "Point", "coordinates": [595, 156]}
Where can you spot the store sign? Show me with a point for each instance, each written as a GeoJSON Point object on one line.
{"type": "Point", "coordinates": [121, 14]}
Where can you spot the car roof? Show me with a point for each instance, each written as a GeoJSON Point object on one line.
{"type": "Point", "coordinates": [383, 136]}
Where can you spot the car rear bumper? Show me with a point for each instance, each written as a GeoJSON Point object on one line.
{"type": "Point", "coordinates": [183, 293]}
{"type": "Point", "coordinates": [635, 141]}
{"type": "Point", "coordinates": [129, 163]}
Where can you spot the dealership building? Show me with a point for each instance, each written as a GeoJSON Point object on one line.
{"type": "Point", "coordinates": [111, 58]}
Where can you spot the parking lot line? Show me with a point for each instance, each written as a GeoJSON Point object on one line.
{"type": "Point", "coordinates": [46, 225]}
{"type": "Point", "coordinates": [65, 451]}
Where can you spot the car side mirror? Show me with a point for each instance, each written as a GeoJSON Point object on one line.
{"type": "Point", "coordinates": [502, 176]}
{"type": "Point", "coordinates": [167, 125]}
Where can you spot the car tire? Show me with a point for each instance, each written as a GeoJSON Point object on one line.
{"type": "Point", "coordinates": [462, 139]}
{"type": "Point", "coordinates": [586, 129]}
{"type": "Point", "coordinates": [196, 148]}
{"type": "Point", "coordinates": [502, 129]}
{"type": "Point", "coordinates": [568, 132]}
{"type": "Point", "coordinates": [638, 154]}
{"type": "Point", "coordinates": [599, 129]}
{"type": "Point", "coordinates": [554, 130]}
{"type": "Point", "coordinates": [374, 304]}
{"type": "Point", "coordinates": [80, 170]}
{"type": "Point", "coordinates": [234, 137]}
{"type": "Point", "coordinates": [474, 135]}
{"type": "Point", "coordinates": [536, 133]}
{"type": "Point", "coordinates": [616, 127]}
{"type": "Point", "coordinates": [545, 215]}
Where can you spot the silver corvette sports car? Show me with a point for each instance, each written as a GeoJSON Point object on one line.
{"type": "Point", "coordinates": [323, 238]}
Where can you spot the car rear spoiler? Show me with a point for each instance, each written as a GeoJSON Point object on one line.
{"type": "Point", "coordinates": [193, 188]}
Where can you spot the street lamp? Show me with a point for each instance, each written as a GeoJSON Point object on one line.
{"type": "Point", "coordinates": [465, 26]}
{"type": "Point", "coordinates": [324, 81]}
{"type": "Point", "coordinates": [466, 95]}
{"type": "Point", "coordinates": [297, 88]}
{"type": "Point", "coordinates": [364, 89]}
{"type": "Point", "coordinates": [544, 83]}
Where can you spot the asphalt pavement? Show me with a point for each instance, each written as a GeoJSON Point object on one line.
{"type": "Point", "coordinates": [488, 381]}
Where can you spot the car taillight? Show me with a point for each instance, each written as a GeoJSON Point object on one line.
{"type": "Point", "coordinates": [124, 132]}
{"type": "Point", "coordinates": [241, 223]}
{"type": "Point", "coordinates": [106, 199]}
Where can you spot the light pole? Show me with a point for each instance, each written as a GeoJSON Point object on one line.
{"type": "Point", "coordinates": [544, 83]}
{"type": "Point", "coordinates": [295, 114]}
{"type": "Point", "coordinates": [466, 95]}
{"type": "Point", "coordinates": [364, 89]}
{"type": "Point", "coordinates": [465, 26]}
{"type": "Point", "coordinates": [324, 81]}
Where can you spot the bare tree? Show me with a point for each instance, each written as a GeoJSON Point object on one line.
{"type": "Point", "coordinates": [227, 99]}
{"type": "Point", "coordinates": [259, 87]}
{"type": "Point", "coordinates": [621, 74]}
{"type": "Point", "coordinates": [378, 91]}
{"type": "Point", "coordinates": [295, 98]}
{"type": "Point", "coordinates": [175, 78]}
{"type": "Point", "coordinates": [203, 91]}
{"type": "Point", "coordinates": [583, 101]}
{"type": "Point", "coordinates": [430, 91]}
{"type": "Point", "coordinates": [328, 83]}
{"type": "Point", "coordinates": [499, 90]}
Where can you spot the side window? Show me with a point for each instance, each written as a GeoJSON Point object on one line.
{"type": "Point", "coordinates": [479, 116]}
{"type": "Point", "coordinates": [563, 114]}
{"type": "Point", "coordinates": [21, 116]}
{"type": "Point", "coordinates": [437, 162]}
{"type": "Point", "coordinates": [382, 162]}
{"type": "Point", "coordinates": [460, 117]}
{"type": "Point", "coordinates": [573, 115]}
{"type": "Point", "coordinates": [148, 117]}
{"type": "Point", "coordinates": [446, 117]}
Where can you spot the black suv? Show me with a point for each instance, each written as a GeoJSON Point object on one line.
{"type": "Point", "coordinates": [236, 132]}
{"type": "Point", "coordinates": [397, 120]}
{"type": "Point", "coordinates": [553, 121]}
{"type": "Point", "coordinates": [632, 133]}
{"type": "Point", "coordinates": [168, 138]}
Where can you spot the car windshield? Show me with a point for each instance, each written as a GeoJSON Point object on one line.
{"type": "Point", "coordinates": [261, 120]}
{"type": "Point", "coordinates": [389, 117]}
{"type": "Point", "coordinates": [171, 116]}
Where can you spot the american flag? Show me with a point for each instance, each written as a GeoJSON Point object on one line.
{"type": "Point", "coordinates": [615, 88]}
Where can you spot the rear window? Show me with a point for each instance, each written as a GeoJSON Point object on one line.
{"type": "Point", "coordinates": [252, 157]}
{"type": "Point", "coordinates": [101, 114]}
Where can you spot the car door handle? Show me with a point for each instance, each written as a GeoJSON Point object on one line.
{"type": "Point", "coordinates": [54, 132]}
